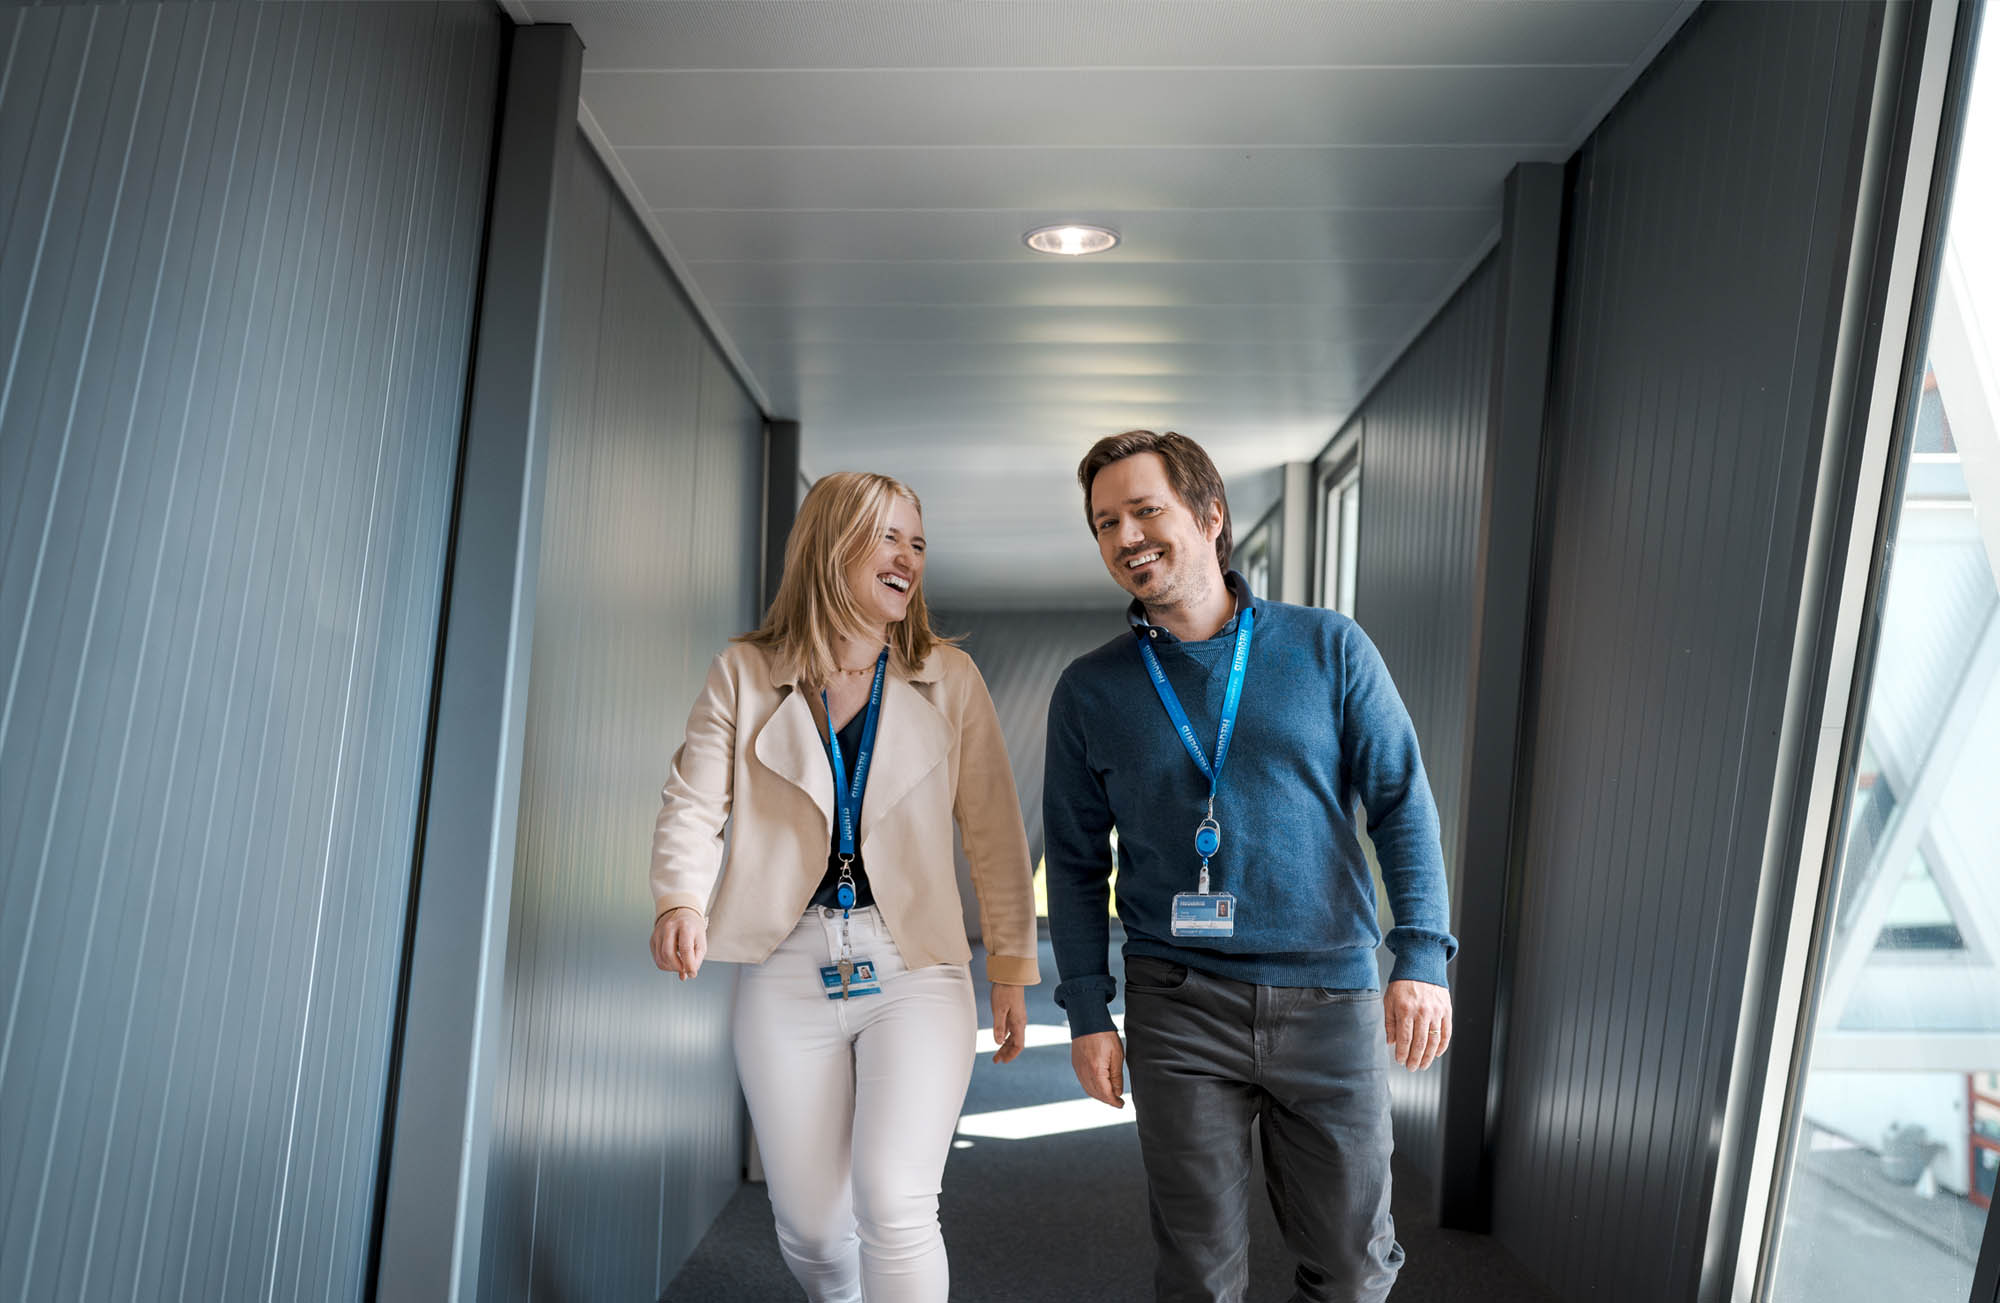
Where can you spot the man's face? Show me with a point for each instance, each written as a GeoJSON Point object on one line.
{"type": "Point", "coordinates": [1154, 546]}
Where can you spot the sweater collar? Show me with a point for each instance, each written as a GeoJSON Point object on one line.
{"type": "Point", "coordinates": [1135, 614]}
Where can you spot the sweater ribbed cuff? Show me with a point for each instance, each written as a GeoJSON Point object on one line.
{"type": "Point", "coordinates": [1421, 959]}
{"type": "Point", "coordinates": [1087, 1001]}
{"type": "Point", "coordinates": [1090, 1020]}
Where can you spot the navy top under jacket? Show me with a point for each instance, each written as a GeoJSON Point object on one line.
{"type": "Point", "coordinates": [1320, 728]}
{"type": "Point", "coordinates": [828, 895]}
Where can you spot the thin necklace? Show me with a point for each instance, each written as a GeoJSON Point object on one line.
{"type": "Point", "coordinates": [869, 668]}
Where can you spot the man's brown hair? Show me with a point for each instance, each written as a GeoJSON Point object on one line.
{"type": "Point", "coordinates": [1193, 476]}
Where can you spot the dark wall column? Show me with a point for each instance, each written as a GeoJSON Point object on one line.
{"type": "Point", "coordinates": [437, 1149]}
{"type": "Point", "coordinates": [1422, 454]}
{"type": "Point", "coordinates": [1527, 267]}
{"type": "Point", "coordinates": [781, 502]}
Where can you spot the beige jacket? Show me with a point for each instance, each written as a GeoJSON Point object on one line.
{"type": "Point", "coordinates": [754, 758]}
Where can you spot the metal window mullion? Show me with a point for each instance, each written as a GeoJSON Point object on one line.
{"type": "Point", "coordinates": [1892, 260]}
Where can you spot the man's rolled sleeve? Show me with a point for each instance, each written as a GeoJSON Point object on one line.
{"type": "Point", "coordinates": [1087, 1001]}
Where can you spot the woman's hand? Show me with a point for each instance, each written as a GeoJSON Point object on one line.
{"type": "Point", "coordinates": [1010, 1021]}
{"type": "Point", "coordinates": [680, 941]}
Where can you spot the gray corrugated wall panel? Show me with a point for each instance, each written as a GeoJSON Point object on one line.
{"type": "Point", "coordinates": [238, 253]}
{"type": "Point", "coordinates": [1021, 654]}
{"type": "Point", "coordinates": [618, 1123]}
{"type": "Point", "coordinates": [1709, 226]}
{"type": "Point", "coordinates": [1423, 451]}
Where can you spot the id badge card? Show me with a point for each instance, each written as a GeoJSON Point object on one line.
{"type": "Point", "coordinates": [862, 981]}
{"type": "Point", "coordinates": [1204, 914]}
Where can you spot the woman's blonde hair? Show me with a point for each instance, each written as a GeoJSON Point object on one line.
{"type": "Point", "coordinates": [842, 519]}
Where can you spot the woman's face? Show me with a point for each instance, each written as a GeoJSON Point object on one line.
{"type": "Point", "coordinates": [884, 580]}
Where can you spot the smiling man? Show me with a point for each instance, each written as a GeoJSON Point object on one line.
{"type": "Point", "coordinates": [1229, 741]}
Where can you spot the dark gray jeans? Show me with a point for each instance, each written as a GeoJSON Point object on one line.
{"type": "Point", "coordinates": [1210, 1056]}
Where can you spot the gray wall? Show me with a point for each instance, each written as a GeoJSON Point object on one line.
{"type": "Point", "coordinates": [1423, 449]}
{"type": "Point", "coordinates": [1708, 233]}
{"type": "Point", "coordinates": [1021, 654]}
{"type": "Point", "coordinates": [238, 251]}
{"type": "Point", "coordinates": [618, 1132]}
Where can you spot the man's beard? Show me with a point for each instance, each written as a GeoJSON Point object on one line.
{"type": "Point", "coordinates": [1171, 590]}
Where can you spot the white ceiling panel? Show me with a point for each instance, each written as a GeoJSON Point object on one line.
{"type": "Point", "coordinates": [671, 34]}
{"type": "Point", "coordinates": [1156, 235]}
{"type": "Point", "coordinates": [1074, 284]}
{"type": "Point", "coordinates": [1275, 326]}
{"type": "Point", "coordinates": [1165, 177]}
{"type": "Point", "coordinates": [1037, 384]}
{"type": "Point", "coordinates": [1299, 186]}
{"type": "Point", "coordinates": [917, 397]}
{"type": "Point", "coordinates": [950, 358]}
{"type": "Point", "coordinates": [1522, 107]}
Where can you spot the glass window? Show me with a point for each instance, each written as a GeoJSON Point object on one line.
{"type": "Point", "coordinates": [1340, 538]}
{"type": "Point", "coordinates": [1350, 542]}
{"type": "Point", "coordinates": [1897, 1138]}
{"type": "Point", "coordinates": [1257, 561]}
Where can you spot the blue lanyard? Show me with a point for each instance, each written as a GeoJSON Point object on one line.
{"type": "Point", "coordinates": [1230, 700]}
{"type": "Point", "coordinates": [1207, 834]}
{"type": "Point", "coordinates": [846, 794]}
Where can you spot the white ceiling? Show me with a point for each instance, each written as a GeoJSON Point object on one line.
{"type": "Point", "coordinates": [845, 184]}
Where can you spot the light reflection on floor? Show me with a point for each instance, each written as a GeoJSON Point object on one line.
{"type": "Point", "coordinates": [1038, 1120]}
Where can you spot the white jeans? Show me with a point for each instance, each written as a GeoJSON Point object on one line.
{"type": "Point", "coordinates": [855, 1103]}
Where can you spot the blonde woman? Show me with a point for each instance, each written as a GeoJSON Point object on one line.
{"type": "Point", "coordinates": [839, 742]}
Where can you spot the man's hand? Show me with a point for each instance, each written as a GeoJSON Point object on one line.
{"type": "Point", "coordinates": [1417, 1017]}
{"type": "Point", "coordinates": [1010, 1021]}
{"type": "Point", "coordinates": [680, 941]}
{"type": "Point", "coordinates": [1099, 1060]}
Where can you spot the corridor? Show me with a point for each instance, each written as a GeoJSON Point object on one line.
{"type": "Point", "coordinates": [407, 406]}
{"type": "Point", "coordinates": [1057, 1210]}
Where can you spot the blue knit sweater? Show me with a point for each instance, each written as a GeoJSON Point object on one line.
{"type": "Point", "coordinates": [1320, 728]}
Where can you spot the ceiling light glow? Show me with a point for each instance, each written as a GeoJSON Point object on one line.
{"type": "Point", "coordinates": [1071, 239]}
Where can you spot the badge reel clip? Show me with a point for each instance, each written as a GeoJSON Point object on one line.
{"type": "Point", "coordinates": [1203, 913]}
{"type": "Point", "coordinates": [850, 977]}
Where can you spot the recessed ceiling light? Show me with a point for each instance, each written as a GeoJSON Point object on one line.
{"type": "Point", "coordinates": [1071, 240]}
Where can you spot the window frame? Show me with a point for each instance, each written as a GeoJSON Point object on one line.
{"type": "Point", "coordinates": [1337, 465]}
{"type": "Point", "coordinates": [1260, 545]}
{"type": "Point", "coordinates": [1332, 565]}
{"type": "Point", "coordinates": [1871, 420]}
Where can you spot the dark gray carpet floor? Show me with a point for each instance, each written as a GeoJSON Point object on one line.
{"type": "Point", "coordinates": [1063, 1217]}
